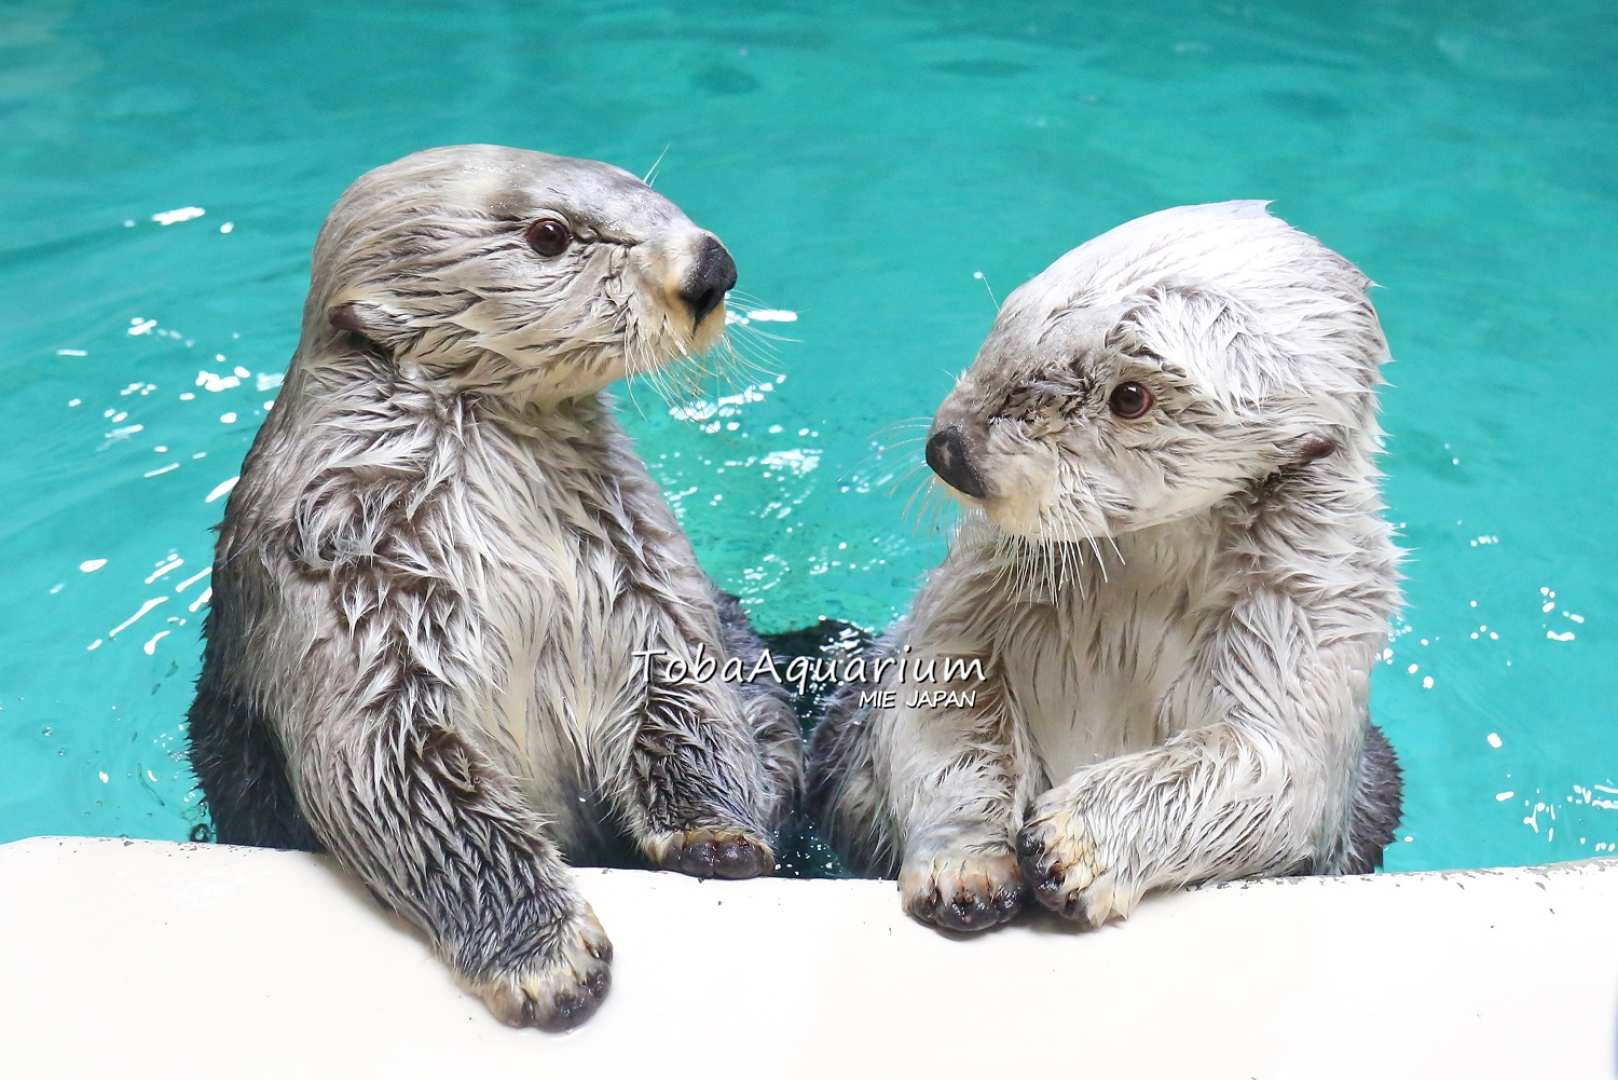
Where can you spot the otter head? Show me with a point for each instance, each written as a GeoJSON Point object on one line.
{"type": "Point", "coordinates": [514, 272]}
{"type": "Point", "coordinates": [1159, 369]}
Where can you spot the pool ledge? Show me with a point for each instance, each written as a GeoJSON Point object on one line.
{"type": "Point", "coordinates": [142, 958]}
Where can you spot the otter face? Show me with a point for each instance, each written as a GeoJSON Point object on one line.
{"type": "Point", "coordinates": [1156, 371]}
{"type": "Point", "coordinates": [515, 272]}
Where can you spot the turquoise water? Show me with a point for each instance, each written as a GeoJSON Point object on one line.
{"type": "Point", "coordinates": [166, 170]}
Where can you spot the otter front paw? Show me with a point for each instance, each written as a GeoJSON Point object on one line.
{"type": "Point", "coordinates": [1063, 864]}
{"type": "Point", "coordinates": [713, 852]}
{"type": "Point", "coordinates": [560, 986]}
{"type": "Point", "coordinates": [960, 891]}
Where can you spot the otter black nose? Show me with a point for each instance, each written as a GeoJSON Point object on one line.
{"type": "Point", "coordinates": [710, 279]}
{"type": "Point", "coordinates": [946, 456]}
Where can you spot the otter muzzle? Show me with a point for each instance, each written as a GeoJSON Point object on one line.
{"type": "Point", "coordinates": [712, 275]}
{"type": "Point", "coordinates": [947, 456]}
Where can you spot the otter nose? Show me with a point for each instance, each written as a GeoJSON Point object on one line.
{"type": "Point", "coordinates": [946, 456]}
{"type": "Point", "coordinates": [711, 277]}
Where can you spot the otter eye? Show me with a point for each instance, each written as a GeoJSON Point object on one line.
{"type": "Point", "coordinates": [1129, 401]}
{"type": "Point", "coordinates": [549, 237]}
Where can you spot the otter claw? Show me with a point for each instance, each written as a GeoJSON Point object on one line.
{"type": "Point", "coordinates": [1058, 860]}
{"type": "Point", "coordinates": [557, 990]}
{"type": "Point", "coordinates": [962, 892]}
{"type": "Point", "coordinates": [714, 853]}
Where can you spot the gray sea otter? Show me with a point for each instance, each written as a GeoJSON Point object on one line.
{"type": "Point", "coordinates": [443, 553]}
{"type": "Point", "coordinates": [1174, 569]}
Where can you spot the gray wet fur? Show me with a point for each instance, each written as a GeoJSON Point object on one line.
{"type": "Point", "coordinates": [1178, 614]}
{"type": "Point", "coordinates": [440, 557]}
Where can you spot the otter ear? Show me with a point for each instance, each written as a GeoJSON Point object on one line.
{"type": "Point", "coordinates": [372, 322]}
{"type": "Point", "coordinates": [1307, 448]}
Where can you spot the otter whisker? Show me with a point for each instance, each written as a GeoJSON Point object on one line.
{"type": "Point", "coordinates": [913, 423]}
{"type": "Point", "coordinates": [651, 174]}
{"type": "Point", "coordinates": [1049, 569]}
{"type": "Point", "coordinates": [734, 360]}
{"type": "Point", "coordinates": [752, 347]}
{"type": "Point", "coordinates": [629, 390]}
{"type": "Point", "coordinates": [908, 476]}
{"type": "Point", "coordinates": [752, 329]}
{"type": "Point", "coordinates": [636, 369]}
{"type": "Point", "coordinates": [916, 492]}
{"type": "Point", "coordinates": [1052, 558]}
{"type": "Point", "coordinates": [935, 505]}
{"type": "Point", "coordinates": [658, 376]}
{"type": "Point", "coordinates": [1116, 550]}
{"type": "Point", "coordinates": [1073, 554]}
{"type": "Point", "coordinates": [691, 379]}
{"type": "Point", "coordinates": [880, 445]}
{"type": "Point", "coordinates": [900, 444]}
{"type": "Point", "coordinates": [684, 374]}
{"type": "Point", "coordinates": [1101, 564]}
{"type": "Point", "coordinates": [981, 276]}
{"type": "Point", "coordinates": [751, 300]}
{"type": "Point", "coordinates": [878, 458]}
{"type": "Point", "coordinates": [1086, 486]}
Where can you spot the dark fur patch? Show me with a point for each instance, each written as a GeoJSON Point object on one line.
{"type": "Point", "coordinates": [1378, 803]}
{"type": "Point", "coordinates": [242, 770]}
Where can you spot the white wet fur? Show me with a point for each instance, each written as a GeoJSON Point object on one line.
{"type": "Point", "coordinates": [1179, 614]}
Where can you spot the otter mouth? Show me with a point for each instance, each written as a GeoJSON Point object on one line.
{"type": "Point", "coordinates": [708, 331]}
{"type": "Point", "coordinates": [1021, 508]}
{"type": "Point", "coordinates": [678, 358]}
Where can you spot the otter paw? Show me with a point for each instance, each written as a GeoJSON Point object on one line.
{"type": "Point", "coordinates": [1062, 865]}
{"type": "Point", "coordinates": [560, 987]}
{"type": "Point", "coordinates": [714, 852]}
{"type": "Point", "coordinates": [960, 891]}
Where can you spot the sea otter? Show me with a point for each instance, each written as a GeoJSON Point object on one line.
{"type": "Point", "coordinates": [1174, 570]}
{"type": "Point", "coordinates": [443, 555]}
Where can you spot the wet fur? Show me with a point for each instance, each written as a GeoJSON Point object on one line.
{"type": "Point", "coordinates": [249, 793]}
{"type": "Point", "coordinates": [1178, 616]}
{"type": "Point", "coordinates": [439, 559]}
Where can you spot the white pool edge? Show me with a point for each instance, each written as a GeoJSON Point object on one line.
{"type": "Point", "coordinates": [138, 958]}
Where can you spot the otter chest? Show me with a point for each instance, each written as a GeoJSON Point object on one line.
{"type": "Point", "coordinates": [547, 526]}
{"type": "Point", "coordinates": [1089, 684]}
